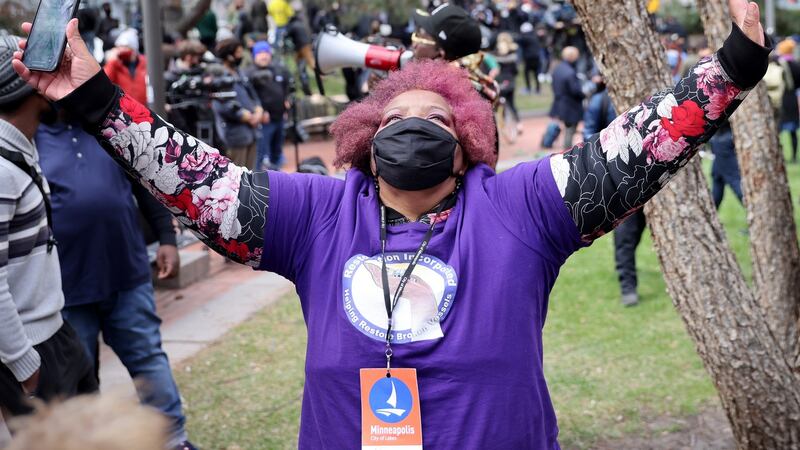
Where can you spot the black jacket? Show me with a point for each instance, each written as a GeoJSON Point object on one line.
{"type": "Point", "coordinates": [567, 94]}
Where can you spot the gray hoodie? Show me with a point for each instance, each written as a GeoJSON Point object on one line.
{"type": "Point", "coordinates": [30, 277]}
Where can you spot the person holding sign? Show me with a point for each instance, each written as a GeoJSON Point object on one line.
{"type": "Point", "coordinates": [424, 276]}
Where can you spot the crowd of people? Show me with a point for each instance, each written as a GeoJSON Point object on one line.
{"type": "Point", "coordinates": [421, 146]}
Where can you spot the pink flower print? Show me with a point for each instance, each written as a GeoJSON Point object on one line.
{"type": "Point", "coordinates": [215, 201]}
{"type": "Point", "coordinates": [719, 100]}
{"type": "Point", "coordinates": [172, 151]}
{"type": "Point", "coordinates": [661, 147]}
{"type": "Point", "coordinates": [197, 165]}
{"type": "Point", "coordinates": [707, 75]}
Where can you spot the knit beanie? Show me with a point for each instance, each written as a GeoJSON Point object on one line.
{"type": "Point", "coordinates": [12, 87]}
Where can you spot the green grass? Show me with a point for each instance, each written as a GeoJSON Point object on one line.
{"type": "Point", "coordinates": [610, 370]}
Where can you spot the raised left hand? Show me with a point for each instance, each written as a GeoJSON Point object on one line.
{"type": "Point", "coordinates": [168, 262]}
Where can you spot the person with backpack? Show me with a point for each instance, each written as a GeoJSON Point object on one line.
{"type": "Point", "coordinates": [40, 354]}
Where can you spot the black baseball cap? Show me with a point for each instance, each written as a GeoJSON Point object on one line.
{"type": "Point", "coordinates": [454, 30]}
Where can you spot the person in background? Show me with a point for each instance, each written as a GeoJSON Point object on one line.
{"type": "Point", "coordinates": [600, 112]}
{"type": "Point", "coordinates": [507, 73]}
{"type": "Point", "coordinates": [106, 279]}
{"type": "Point", "coordinates": [281, 12]}
{"type": "Point", "coordinates": [125, 68]}
{"type": "Point", "coordinates": [239, 20]}
{"type": "Point", "coordinates": [725, 167]}
{"type": "Point", "coordinates": [271, 83]}
{"type": "Point", "coordinates": [237, 119]}
{"type": "Point", "coordinates": [207, 27]}
{"type": "Point", "coordinates": [531, 55]}
{"type": "Point", "coordinates": [40, 354]}
{"type": "Point", "coordinates": [258, 16]}
{"type": "Point", "coordinates": [190, 55]}
{"type": "Point", "coordinates": [567, 94]}
{"type": "Point", "coordinates": [790, 112]}
{"type": "Point", "coordinates": [106, 27]}
{"type": "Point", "coordinates": [88, 25]}
{"type": "Point", "coordinates": [628, 234]}
{"type": "Point", "coordinates": [297, 31]}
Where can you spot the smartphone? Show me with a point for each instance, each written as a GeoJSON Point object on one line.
{"type": "Point", "coordinates": [48, 35]}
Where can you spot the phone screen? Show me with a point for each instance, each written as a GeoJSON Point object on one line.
{"type": "Point", "coordinates": [48, 35]}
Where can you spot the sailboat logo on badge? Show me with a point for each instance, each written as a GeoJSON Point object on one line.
{"type": "Point", "coordinates": [390, 400]}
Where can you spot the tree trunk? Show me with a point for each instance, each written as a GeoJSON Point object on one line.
{"type": "Point", "coordinates": [755, 382]}
{"type": "Point", "coordinates": [191, 20]}
{"type": "Point", "coordinates": [773, 238]}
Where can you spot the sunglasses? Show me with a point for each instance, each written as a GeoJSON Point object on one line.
{"type": "Point", "coordinates": [416, 39]}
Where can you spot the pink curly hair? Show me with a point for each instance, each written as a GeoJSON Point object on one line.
{"type": "Point", "coordinates": [354, 128]}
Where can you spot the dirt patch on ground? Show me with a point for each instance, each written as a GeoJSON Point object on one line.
{"type": "Point", "coordinates": [708, 430]}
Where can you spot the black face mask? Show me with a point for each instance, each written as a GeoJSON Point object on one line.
{"type": "Point", "coordinates": [414, 154]}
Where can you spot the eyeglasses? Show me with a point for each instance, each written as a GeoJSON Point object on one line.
{"type": "Point", "coordinates": [416, 39]}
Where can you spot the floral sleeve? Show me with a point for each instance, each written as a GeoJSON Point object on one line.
{"type": "Point", "coordinates": [223, 204]}
{"type": "Point", "coordinates": [613, 173]}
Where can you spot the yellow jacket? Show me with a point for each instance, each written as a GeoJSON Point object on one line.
{"type": "Point", "coordinates": [280, 11]}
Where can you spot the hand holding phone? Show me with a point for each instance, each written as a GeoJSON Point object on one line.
{"type": "Point", "coordinates": [47, 39]}
{"type": "Point", "coordinates": [77, 66]}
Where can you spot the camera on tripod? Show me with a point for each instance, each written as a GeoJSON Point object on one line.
{"type": "Point", "coordinates": [189, 97]}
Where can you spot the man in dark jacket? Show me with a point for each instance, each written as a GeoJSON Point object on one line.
{"type": "Point", "coordinates": [567, 94]}
{"type": "Point", "coordinates": [238, 119]}
{"type": "Point", "coordinates": [104, 263]}
{"type": "Point", "coordinates": [531, 51]}
{"type": "Point", "coordinates": [271, 82]}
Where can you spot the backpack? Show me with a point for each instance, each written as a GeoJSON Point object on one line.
{"type": "Point", "coordinates": [776, 83]}
{"type": "Point", "coordinates": [18, 160]}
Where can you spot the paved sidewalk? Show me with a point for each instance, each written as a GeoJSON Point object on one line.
{"type": "Point", "coordinates": [198, 315]}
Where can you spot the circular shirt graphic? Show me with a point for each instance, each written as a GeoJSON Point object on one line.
{"type": "Point", "coordinates": [426, 300]}
{"type": "Point", "coordinates": [390, 400]}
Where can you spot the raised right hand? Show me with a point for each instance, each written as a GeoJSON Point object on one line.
{"type": "Point", "coordinates": [77, 66]}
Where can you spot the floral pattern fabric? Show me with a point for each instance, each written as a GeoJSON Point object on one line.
{"type": "Point", "coordinates": [612, 174]}
{"type": "Point", "coordinates": [602, 180]}
{"type": "Point", "coordinates": [223, 204]}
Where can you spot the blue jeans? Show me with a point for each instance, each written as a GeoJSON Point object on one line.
{"type": "Point", "coordinates": [270, 147]}
{"type": "Point", "coordinates": [725, 168]}
{"type": "Point", "coordinates": [130, 327]}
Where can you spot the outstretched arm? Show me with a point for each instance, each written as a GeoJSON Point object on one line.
{"type": "Point", "coordinates": [225, 205]}
{"type": "Point", "coordinates": [614, 172]}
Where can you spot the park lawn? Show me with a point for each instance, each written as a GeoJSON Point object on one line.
{"type": "Point", "coordinates": [610, 369]}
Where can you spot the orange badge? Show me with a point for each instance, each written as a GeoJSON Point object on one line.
{"type": "Point", "coordinates": [390, 414]}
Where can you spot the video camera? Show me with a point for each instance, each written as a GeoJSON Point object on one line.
{"type": "Point", "coordinates": [189, 96]}
{"type": "Point", "coordinates": [199, 85]}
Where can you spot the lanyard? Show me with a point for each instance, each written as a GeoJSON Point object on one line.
{"type": "Point", "coordinates": [391, 301]}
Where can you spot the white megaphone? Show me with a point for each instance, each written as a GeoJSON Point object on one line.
{"type": "Point", "coordinates": [333, 50]}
